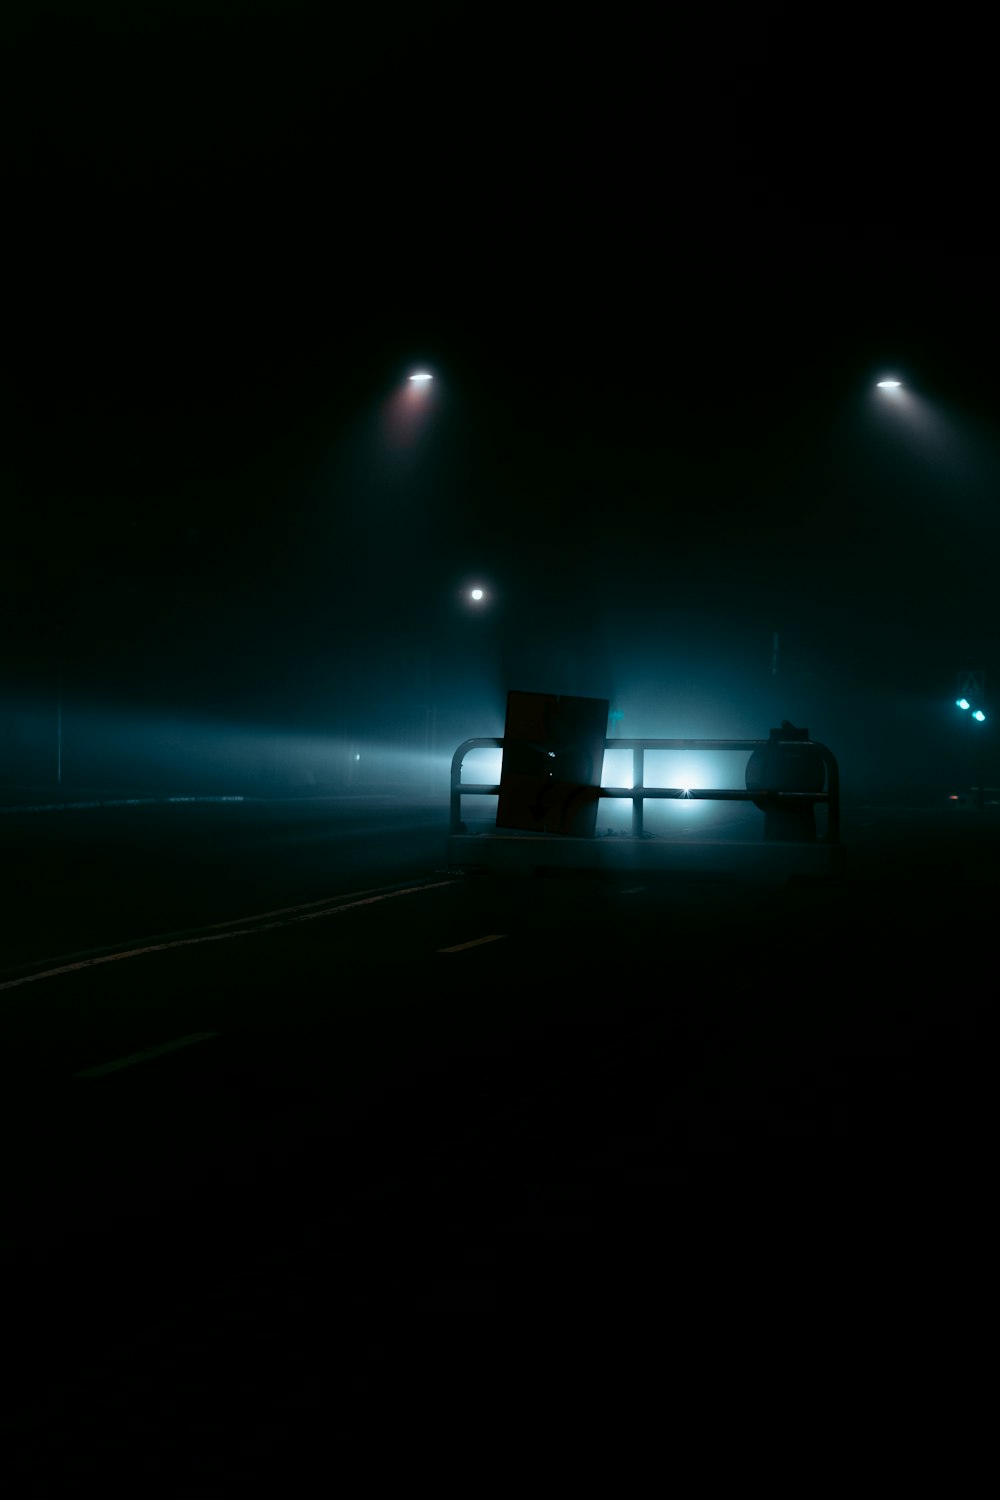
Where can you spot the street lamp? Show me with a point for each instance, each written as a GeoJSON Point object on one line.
{"type": "Point", "coordinates": [974, 681]}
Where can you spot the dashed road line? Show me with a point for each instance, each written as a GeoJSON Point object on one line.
{"type": "Point", "coordinates": [219, 931]}
{"type": "Point", "coordinates": [145, 1055]}
{"type": "Point", "coordinates": [493, 937]}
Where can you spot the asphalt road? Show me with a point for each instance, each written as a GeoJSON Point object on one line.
{"type": "Point", "coordinates": [308, 1136]}
{"type": "Point", "coordinates": [102, 868]}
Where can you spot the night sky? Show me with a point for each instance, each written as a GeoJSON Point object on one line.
{"type": "Point", "coordinates": [655, 269]}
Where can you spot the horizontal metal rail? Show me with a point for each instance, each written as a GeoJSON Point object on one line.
{"type": "Point", "coordinates": [638, 793]}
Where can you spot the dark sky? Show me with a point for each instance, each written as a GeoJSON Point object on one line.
{"type": "Point", "coordinates": [655, 268]}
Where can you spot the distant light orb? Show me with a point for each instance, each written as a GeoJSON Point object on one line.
{"type": "Point", "coordinates": [420, 378]}
{"type": "Point", "coordinates": [889, 385]}
{"type": "Point", "coordinates": [962, 703]}
{"type": "Point", "coordinates": [979, 716]}
{"type": "Point", "coordinates": [476, 594]}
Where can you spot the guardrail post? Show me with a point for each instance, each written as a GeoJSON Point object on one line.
{"type": "Point", "coordinates": [637, 774]}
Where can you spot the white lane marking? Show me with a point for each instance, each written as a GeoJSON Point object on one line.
{"type": "Point", "coordinates": [145, 1054]}
{"type": "Point", "coordinates": [250, 925]}
{"type": "Point", "coordinates": [112, 802]}
{"type": "Point", "coordinates": [494, 937]}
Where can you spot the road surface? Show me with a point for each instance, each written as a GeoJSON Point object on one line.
{"type": "Point", "coordinates": [294, 1113]}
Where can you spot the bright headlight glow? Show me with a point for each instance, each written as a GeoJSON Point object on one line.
{"type": "Point", "coordinates": [688, 778]}
{"type": "Point", "coordinates": [483, 765]}
{"type": "Point", "coordinates": [421, 377]}
{"type": "Point", "coordinates": [617, 768]}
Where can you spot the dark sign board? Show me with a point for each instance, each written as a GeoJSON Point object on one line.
{"type": "Point", "coordinates": [552, 760]}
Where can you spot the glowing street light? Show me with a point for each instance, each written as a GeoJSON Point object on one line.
{"type": "Point", "coordinates": [974, 682]}
{"type": "Point", "coordinates": [889, 385]}
{"type": "Point", "coordinates": [421, 377]}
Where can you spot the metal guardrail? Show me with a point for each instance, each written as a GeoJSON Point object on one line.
{"type": "Point", "coordinates": [638, 792]}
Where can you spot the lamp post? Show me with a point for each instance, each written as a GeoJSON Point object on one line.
{"type": "Point", "coordinates": [935, 450]}
{"type": "Point", "coordinates": [480, 639]}
{"type": "Point", "coordinates": [971, 690]}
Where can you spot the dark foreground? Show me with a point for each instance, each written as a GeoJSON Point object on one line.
{"type": "Point", "coordinates": [691, 1167]}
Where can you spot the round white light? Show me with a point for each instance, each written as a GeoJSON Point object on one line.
{"type": "Point", "coordinates": [477, 594]}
